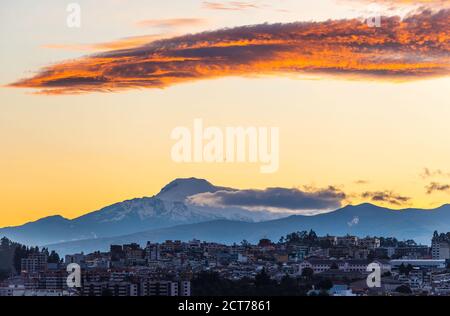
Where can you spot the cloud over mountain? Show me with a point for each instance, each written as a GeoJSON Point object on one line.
{"type": "Point", "coordinates": [413, 48]}
{"type": "Point", "coordinates": [437, 187]}
{"type": "Point", "coordinates": [281, 199]}
{"type": "Point", "coordinates": [428, 173]}
{"type": "Point", "coordinates": [386, 196]}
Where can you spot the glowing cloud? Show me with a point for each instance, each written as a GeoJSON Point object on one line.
{"type": "Point", "coordinates": [386, 197]}
{"type": "Point", "coordinates": [407, 2]}
{"type": "Point", "coordinates": [413, 48]}
{"type": "Point", "coordinates": [230, 5]}
{"type": "Point", "coordinates": [124, 43]}
{"type": "Point", "coordinates": [437, 187]}
{"type": "Point", "coordinates": [172, 23]}
{"type": "Point", "coordinates": [273, 199]}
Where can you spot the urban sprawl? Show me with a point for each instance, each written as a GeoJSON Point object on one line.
{"type": "Point", "coordinates": [300, 263]}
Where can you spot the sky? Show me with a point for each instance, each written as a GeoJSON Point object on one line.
{"type": "Point", "coordinates": [362, 112]}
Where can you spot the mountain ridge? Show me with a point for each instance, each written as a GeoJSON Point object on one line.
{"type": "Point", "coordinates": [391, 223]}
{"type": "Point", "coordinates": [167, 208]}
{"type": "Point", "coordinates": [170, 208]}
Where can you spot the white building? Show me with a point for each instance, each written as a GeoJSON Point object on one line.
{"type": "Point", "coordinates": [420, 263]}
{"type": "Point", "coordinates": [352, 265]}
{"type": "Point", "coordinates": [165, 288]}
{"type": "Point", "coordinates": [347, 240]}
{"type": "Point", "coordinates": [34, 263]}
{"type": "Point", "coordinates": [440, 250]}
{"type": "Point", "coordinates": [78, 258]}
{"type": "Point", "coordinates": [370, 242]}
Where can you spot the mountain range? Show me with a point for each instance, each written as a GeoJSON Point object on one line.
{"type": "Point", "coordinates": [168, 208]}
{"type": "Point", "coordinates": [169, 215]}
{"type": "Point", "coordinates": [360, 220]}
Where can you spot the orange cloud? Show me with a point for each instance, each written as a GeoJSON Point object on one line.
{"type": "Point", "coordinates": [172, 23]}
{"type": "Point", "coordinates": [410, 1]}
{"type": "Point", "coordinates": [230, 5]}
{"type": "Point", "coordinates": [396, 3]}
{"type": "Point", "coordinates": [124, 43]}
{"type": "Point", "coordinates": [413, 48]}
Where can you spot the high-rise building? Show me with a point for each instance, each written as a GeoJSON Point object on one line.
{"type": "Point", "coordinates": [440, 249]}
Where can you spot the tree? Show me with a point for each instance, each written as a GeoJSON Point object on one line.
{"type": "Point", "coordinates": [53, 257]}
{"type": "Point", "coordinates": [4, 243]}
{"type": "Point", "coordinates": [403, 289]}
{"type": "Point", "coordinates": [325, 284]}
{"type": "Point", "coordinates": [265, 242]}
{"type": "Point", "coordinates": [435, 235]}
{"type": "Point", "coordinates": [20, 253]}
{"type": "Point", "coordinates": [262, 278]}
{"type": "Point", "coordinates": [107, 292]}
{"type": "Point", "coordinates": [11, 255]}
{"type": "Point", "coordinates": [288, 286]}
{"type": "Point", "coordinates": [405, 269]}
{"type": "Point", "coordinates": [307, 273]}
{"type": "Point", "coordinates": [312, 236]}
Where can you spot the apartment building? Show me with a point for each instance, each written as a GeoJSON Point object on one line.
{"type": "Point", "coordinates": [370, 242]}
{"type": "Point", "coordinates": [349, 241]}
{"type": "Point", "coordinates": [34, 263]}
{"type": "Point", "coordinates": [165, 288]}
{"type": "Point", "coordinates": [440, 250]}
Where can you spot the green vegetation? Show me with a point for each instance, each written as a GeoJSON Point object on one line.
{"type": "Point", "coordinates": [211, 283]}
{"type": "Point", "coordinates": [12, 253]}
{"type": "Point", "coordinates": [7, 259]}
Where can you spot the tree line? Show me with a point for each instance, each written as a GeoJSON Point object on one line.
{"type": "Point", "coordinates": [12, 253]}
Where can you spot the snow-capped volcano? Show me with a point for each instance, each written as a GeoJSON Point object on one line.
{"type": "Point", "coordinates": [180, 189]}
{"type": "Point", "coordinates": [168, 208]}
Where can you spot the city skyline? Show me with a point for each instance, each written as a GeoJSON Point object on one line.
{"type": "Point", "coordinates": [301, 263]}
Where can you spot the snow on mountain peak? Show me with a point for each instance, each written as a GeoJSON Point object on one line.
{"type": "Point", "coordinates": [180, 189]}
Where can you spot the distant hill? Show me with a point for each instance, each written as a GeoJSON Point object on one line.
{"type": "Point", "coordinates": [167, 208]}
{"type": "Point", "coordinates": [169, 215]}
{"type": "Point", "coordinates": [361, 220]}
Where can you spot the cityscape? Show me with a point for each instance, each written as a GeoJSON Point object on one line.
{"type": "Point", "coordinates": [298, 264]}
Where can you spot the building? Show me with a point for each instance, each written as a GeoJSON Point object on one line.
{"type": "Point", "coordinates": [420, 263]}
{"type": "Point", "coordinates": [351, 265]}
{"type": "Point", "coordinates": [341, 290]}
{"type": "Point", "coordinates": [332, 240]}
{"type": "Point", "coordinates": [386, 252]}
{"type": "Point", "coordinates": [440, 250]}
{"type": "Point", "coordinates": [413, 252]}
{"type": "Point", "coordinates": [78, 258]}
{"type": "Point", "coordinates": [152, 252]}
{"type": "Point", "coordinates": [349, 241]}
{"type": "Point", "coordinates": [165, 288]}
{"type": "Point", "coordinates": [53, 280]}
{"type": "Point", "coordinates": [370, 242]}
{"type": "Point", "coordinates": [7, 290]}
{"type": "Point", "coordinates": [34, 263]}
{"type": "Point", "coordinates": [109, 288]}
